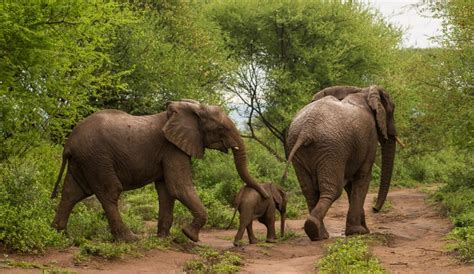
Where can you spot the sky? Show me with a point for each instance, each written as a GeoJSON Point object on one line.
{"type": "Point", "coordinates": [402, 13]}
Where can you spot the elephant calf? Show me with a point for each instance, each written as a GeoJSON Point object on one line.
{"type": "Point", "coordinates": [251, 206]}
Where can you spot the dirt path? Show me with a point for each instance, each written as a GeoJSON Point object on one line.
{"type": "Point", "coordinates": [414, 229]}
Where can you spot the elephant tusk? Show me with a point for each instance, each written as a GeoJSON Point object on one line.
{"type": "Point", "coordinates": [399, 142]}
{"type": "Point", "coordinates": [236, 148]}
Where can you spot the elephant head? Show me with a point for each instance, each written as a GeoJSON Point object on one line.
{"type": "Point", "coordinates": [280, 199]}
{"type": "Point", "coordinates": [381, 106]}
{"type": "Point", "coordinates": [192, 126]}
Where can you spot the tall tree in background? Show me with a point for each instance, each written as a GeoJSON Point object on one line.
{"type": "Point", "coordinates": [60, 61]}
{"type": "Point", "coordinates": [451, 87]}
{"type": "Point", "coordinates": [173, 52]}
{"type": "Point", "coordinates": [53, 57]}
{"type": "Point", "coordinates": [288, 50]}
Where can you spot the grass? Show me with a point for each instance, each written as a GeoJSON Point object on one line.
{"type": "Point", "coordinates": [213, 261]}
{"type": "Point", "coordinates": [464, 243]}
{"type": "Point", "coordinates": [117, 250]}
{"type": "Point", "coordinates": [349, 255]}
{"type": "Point", "coordinates": [46, 268]}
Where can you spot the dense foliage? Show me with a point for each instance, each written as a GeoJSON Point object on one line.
{"type": "Point", "coordinates": [61, 61]}
{"type": "Point", "coordinates": [288, 50]}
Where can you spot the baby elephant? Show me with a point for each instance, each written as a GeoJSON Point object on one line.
{"type": "Point", "coordinates": [251, 206]}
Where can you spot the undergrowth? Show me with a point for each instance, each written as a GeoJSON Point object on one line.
{"type": "Point", "coordinates": [457, 196]}
{"type": "Point", "coordinates": [213, 261]}
{"type": "Point", "coordinates": [349, 255]}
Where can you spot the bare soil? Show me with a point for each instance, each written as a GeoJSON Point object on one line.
{"type": "Point", "coordinates": [413, 231]}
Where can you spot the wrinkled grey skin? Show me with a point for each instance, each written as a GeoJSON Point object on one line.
{"type": "Point", "coordinates": [252, 206]}
{"type": "Point", "coordinates": [111, 151]}
{"type": "Point", "coordinates": [332, 143]}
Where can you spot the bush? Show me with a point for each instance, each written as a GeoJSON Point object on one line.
{"type": "Point", "coordinates": [464, 246]}
{"type": "Point", "coordinates": [349, 255]}
{"type": "Point", "coordinates": [457, 195]}
{"type": "Point", "coordinates": [26, 210]}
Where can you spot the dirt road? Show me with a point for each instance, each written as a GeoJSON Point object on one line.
{"type": "Point", "coordinates": [414, 231]}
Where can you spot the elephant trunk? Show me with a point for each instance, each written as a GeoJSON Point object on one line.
{"type": "Point", "coordinates": [282, 223]}
{"type": "Point", "coordinates": [240, 160]}
{"type": "Point", "coordinates": [388, 157]}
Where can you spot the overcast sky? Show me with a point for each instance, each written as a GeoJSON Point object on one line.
{"type": "Point", "coordinates": [418, 28]}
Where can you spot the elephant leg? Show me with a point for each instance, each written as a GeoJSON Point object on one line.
{"type": "Point", "coordinates": [348, 189]}
{"type": "Point", "coordinates": [307, 184]}
{"type": "Point", "coordinates": [355, 223]}
{"type": "Point", "coordinates": [252, 238]}
{"type": "Point", "coordinates": [178, 181]}
{"type": "Point", "coordinates": [269, 222]}
{"type": "Point", "coordinates": [72, 193]}
{"type": "Point", "coordinates": [245, 221]}
{"type": "Point", "coordinates": [330, 179]}
{"type": "Point", "coordinates": [165, 211]}
{"type": "Point", "coordinates": [108, 193]}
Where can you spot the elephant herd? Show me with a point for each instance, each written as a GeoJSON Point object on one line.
{"type": "Point", "coordinates": [331, 143]}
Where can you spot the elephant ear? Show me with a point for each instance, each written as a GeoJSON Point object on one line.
{"type": "Point", "coordinates": [183, 127]}
{"type": "Point", "coordinates": [340, 92]}
{"type": "Point", "coordinates": [389, 109]}
{"type": "Point", "coordinates": [375, 103]}
{"type": "Point", "coordinates": [277, 196]}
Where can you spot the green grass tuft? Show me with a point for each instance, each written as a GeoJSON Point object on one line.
{"type": "Point", "coordinates": [349, 255]}
{"type": "Point", "coordinates": [213, 261]}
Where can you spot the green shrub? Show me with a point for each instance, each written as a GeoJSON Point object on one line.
{"type": "Point", "coordinates": [115, 250]}
{"type": "Point", "coordinates": [26, 211]}
{"type": "Point", "coordinates": [105, 250]}
{"type": "Point", "coordinates": [349, 255]}
{"type": "Point", "coordinates": [464, 246]}
{"type": "Point", "coordinates": [457, 196]}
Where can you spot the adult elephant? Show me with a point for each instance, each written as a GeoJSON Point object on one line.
{"type": "Point", "coordinates": [112, 151]}
{"type": "Point", "coordinates": [332, 143]}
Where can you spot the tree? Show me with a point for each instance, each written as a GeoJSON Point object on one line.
{"type": "Point", "coordinates": [288, 50]}
{"type": "Point", "coordinates": [451, 87]}
{"type": "Point", "coordinates": [53, 57]}
{"type": "Point", "coordinates": [173, 52]}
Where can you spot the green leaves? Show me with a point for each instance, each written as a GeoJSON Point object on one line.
{"type": "Point", "coordinates": [53, 58]}
{"type": "Point", "coordinates": [349, 255]}
{"type": "Point", "coordinates": [301, 47]}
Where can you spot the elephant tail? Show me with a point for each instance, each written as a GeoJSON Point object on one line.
{"type": "Point", "coordinates": [232, 220]}
{"type": "Point", "coordinates": [66, 157]}
{"type": "Point", "coordinates": [299, 142]}
{"type": "Point", "coordinates": [236, 205]}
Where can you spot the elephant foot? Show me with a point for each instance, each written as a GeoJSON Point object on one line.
{"type": "Point", "coordinates": [253, 240]}
{"type": "Point", "coordinates": [58, 224]}
{"type": "Point", "coordinates": [356, 229]}
{"type": "Point", "coordinates": [191, 232]}
{"type": "Point", "coordinates": [238, 243]}
{"type": "Point", "coordinates": [271, 240]}
{"type": "Point", "coordinates": [162, 234]}
{"type": "Point", "coordinates": [315, 229]}
{"type": "Point", "coordinates": [127, 237]}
